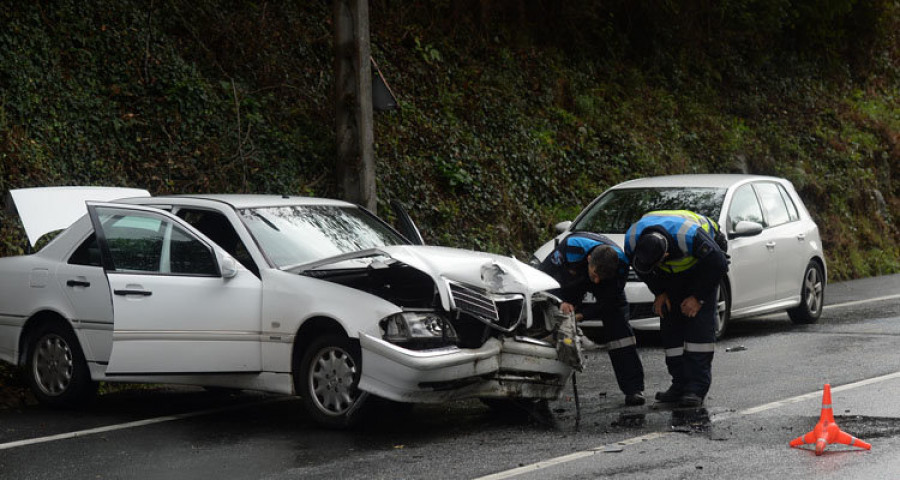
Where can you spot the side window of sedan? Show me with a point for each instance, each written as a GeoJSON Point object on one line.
{"type": "Point", "coordinates": [88, 253]}
{"type": "Point", "coordinates": [217, 227]}
{"type": "Point", "coordinates": [744, 207]}
{"type": "Point", "coordinates": [148, 244]}
{"type": "Point", "coordinates": [773, 203]}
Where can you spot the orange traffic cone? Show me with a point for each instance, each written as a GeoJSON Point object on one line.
{"type": "Point", "coordinates": [826, 431]}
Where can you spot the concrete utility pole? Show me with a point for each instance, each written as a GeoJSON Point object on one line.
{"type": "Point", "coordinates": [353, 103]}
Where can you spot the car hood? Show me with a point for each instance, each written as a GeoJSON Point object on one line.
{"type": "Point", "coordinates": [494, 273]}
{"type": "Point", "coordinates": [47, 209]}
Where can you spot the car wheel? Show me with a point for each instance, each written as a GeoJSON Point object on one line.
{"type": "Point", "coordinates": [56, 368]}
{"type": "Point", "coordinates": [328, 381]}
{"type": "Point", "coordinates": [812, 296]}
{"type": "Point", "coordinates": [723, 310]}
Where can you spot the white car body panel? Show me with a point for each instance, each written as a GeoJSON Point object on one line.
{"type": "Point", "coordinates": [771, 264]}
{"type": "Point", "coordinates": [46, 209]}
{"type": "Point", "coordinates": [241, 332]}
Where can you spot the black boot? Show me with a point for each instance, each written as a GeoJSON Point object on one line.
{"type": "Point", "coordinates": [672, 395]}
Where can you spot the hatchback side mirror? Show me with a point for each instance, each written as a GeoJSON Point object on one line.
{"type": "Point", "coordinates": [746, 229]}
{"type": "Point", "coordinates": [562, 226]}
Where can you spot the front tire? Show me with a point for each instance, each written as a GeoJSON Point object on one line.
{"type": "Point", "coordinates": [328, 379]}
{"type": "Point", "coordinates": [56, 369]}
{"type": "Point", "coordinates": [723, 310]}
{"type": "Point", "coordinates": [812, 296]}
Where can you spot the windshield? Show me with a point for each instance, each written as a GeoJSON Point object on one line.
{"type": "Point", "coordinates": [296, 235]}
{"type": "Point", "coordinates": [618, 209]}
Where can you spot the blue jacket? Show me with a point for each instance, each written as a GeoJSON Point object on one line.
{"type": "Point", "coordinates": [567, 264]}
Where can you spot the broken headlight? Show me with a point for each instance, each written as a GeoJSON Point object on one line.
{"type": "Point", "coordinates": [418, 330]}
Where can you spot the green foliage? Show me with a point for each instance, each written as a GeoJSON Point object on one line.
{"type": "Point", "coordinates": [513, 114]}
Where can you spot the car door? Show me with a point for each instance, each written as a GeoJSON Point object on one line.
{"type": "Point", "coordinates": [87, 289]}
{"type": "Point", "coordinates": [752, 258]}
{"type": "Point", "coordinates": [786, 231]}
{"type": "Point", "coordinates": [173, 311]}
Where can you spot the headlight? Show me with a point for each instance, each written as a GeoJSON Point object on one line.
{"type": "Point", "coordinates": [421, 328]}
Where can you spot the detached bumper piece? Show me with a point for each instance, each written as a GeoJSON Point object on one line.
{"type": "Point", "coordinates": [501, 368]}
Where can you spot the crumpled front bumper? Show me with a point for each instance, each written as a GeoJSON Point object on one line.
{"type": "Point", "coordinates": [501, 368]}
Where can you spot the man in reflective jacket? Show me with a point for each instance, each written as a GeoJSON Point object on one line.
{"type": "Point", "coordinates": [676, 254]}
{"type": "Point", "coordinates": [584, 262]}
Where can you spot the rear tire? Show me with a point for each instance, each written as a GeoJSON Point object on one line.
{"type": "Point", "coordinates": [56, 369]}
{"type": "Point", "coordinates": [328, 379]}
{"type": "Point", "coordinates": [812, 296]}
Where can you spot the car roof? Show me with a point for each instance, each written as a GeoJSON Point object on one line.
{"type": "Point", "coordinates": [711, 180]}
{"type": "Point", "coordinates": [239, 201]}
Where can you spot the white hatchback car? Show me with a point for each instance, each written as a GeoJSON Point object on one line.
{"type": "Point", "coordinates": [777, 262]}
{"type": "Point", "coordinates": [290, 295]}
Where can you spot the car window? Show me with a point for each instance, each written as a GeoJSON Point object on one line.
{"type": "Point", "coordinates": [217, 227]}
{"type": "Point", "coordinates": [617, 209]}
{"type": "Point", "coordinates": [140, 242]}
{"type": "Point", "coordinates": [88, 253]}
{"type": "Point", "coordinates": [773, 203]}
{"type": "Point", "coordinates": [791, 206]}
{"type": "Point", "coordinates": [744, 207]}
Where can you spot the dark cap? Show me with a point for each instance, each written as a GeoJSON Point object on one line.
{"type": "Point", "coordinates": [649, 251]}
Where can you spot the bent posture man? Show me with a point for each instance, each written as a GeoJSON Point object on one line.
{"type": "Point", "coordinates": [589, 262]}
{"type": "Point", "coordinates": [675, 254]}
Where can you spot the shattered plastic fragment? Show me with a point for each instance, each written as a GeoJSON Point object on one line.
{"type": "Point", "coordinates": [739, 348]}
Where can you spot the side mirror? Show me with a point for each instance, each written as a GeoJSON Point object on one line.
{"type": "Point", "coordinates": [746, 229]}
{"type": "Point", "coordinates": [228, 267]}
{"type": "Point", "coordinates": [562, 226]}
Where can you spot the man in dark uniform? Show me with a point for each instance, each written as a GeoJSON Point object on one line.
{"type": "Point", "coordinates": [675, 252]}
{"type": "Point", "coordinates": [585, 262]}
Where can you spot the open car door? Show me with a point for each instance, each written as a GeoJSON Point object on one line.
{"type": "Point", "coordinates": [174, 311]}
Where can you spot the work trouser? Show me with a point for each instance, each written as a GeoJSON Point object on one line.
{"type": "Point", "coordinates": [620, 343]}
{"type": "Point", "coordinates": [689, 344]}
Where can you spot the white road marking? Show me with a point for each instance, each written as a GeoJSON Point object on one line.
{"type": "Point", "coordinates": [497, 476]}
{"type": "Point", "coordinates": [860, 302]}
{"type": "Point", "coordinates": [135, 424]}
{"type": "Point", "coordinates": [651, 436]}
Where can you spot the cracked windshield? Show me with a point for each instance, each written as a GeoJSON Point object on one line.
{"type": "Point", "coordinates": [300, 234]}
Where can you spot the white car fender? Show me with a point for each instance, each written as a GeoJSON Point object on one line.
{"type": "Point", "coordinates": [353, 309]}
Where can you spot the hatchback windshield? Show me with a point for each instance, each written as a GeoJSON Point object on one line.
{"type": "Point", "coordinates": [618, 209]}
{"type": "Point", "coordinates": [295, 235]}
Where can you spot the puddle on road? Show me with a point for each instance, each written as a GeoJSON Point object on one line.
{"type": "Point", "coordinates": [869, 427]}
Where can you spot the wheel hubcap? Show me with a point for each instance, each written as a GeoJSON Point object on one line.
{"type": "Point", "coordinates": [53, 365]}
{"type": "Point", "coordinates": [813, 291]}
{"type": "Point", "coordinates": [331, 379]}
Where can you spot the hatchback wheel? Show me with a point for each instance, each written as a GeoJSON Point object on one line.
{"type": "Point", "coordinates": [812, 296]}
{"type": "Point", "coordinates": [57, 372]}
{"type": "Point", "coordinates": [328, 380]}
{"type": "Point", "coordinates": [723, 310]}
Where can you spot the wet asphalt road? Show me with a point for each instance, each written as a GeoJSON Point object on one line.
{"type": "Point", "coordinates": [175, 433]}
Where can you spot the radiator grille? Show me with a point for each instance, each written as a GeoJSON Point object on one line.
{"type": "Point", "coordinates": [504, 313]}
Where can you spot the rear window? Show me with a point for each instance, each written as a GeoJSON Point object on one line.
{"type": "Point", "coordinates": [618, 209]}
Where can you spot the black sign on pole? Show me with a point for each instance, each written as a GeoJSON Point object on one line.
{"type": "Point", "coordinates": [383, 98]}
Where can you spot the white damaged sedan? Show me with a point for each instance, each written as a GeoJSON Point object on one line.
{"type": "Point", "coordinates": [292, 295]}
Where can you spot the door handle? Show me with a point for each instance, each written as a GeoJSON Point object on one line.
{"type": "Point", "coordinates": [143, 293]}
{"type": "Point", "coordinates": [770, 245]}
{"type": "Point", "coordinates": [77, 283]}
{"type": "Point", "coordinates": [801, 236]}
